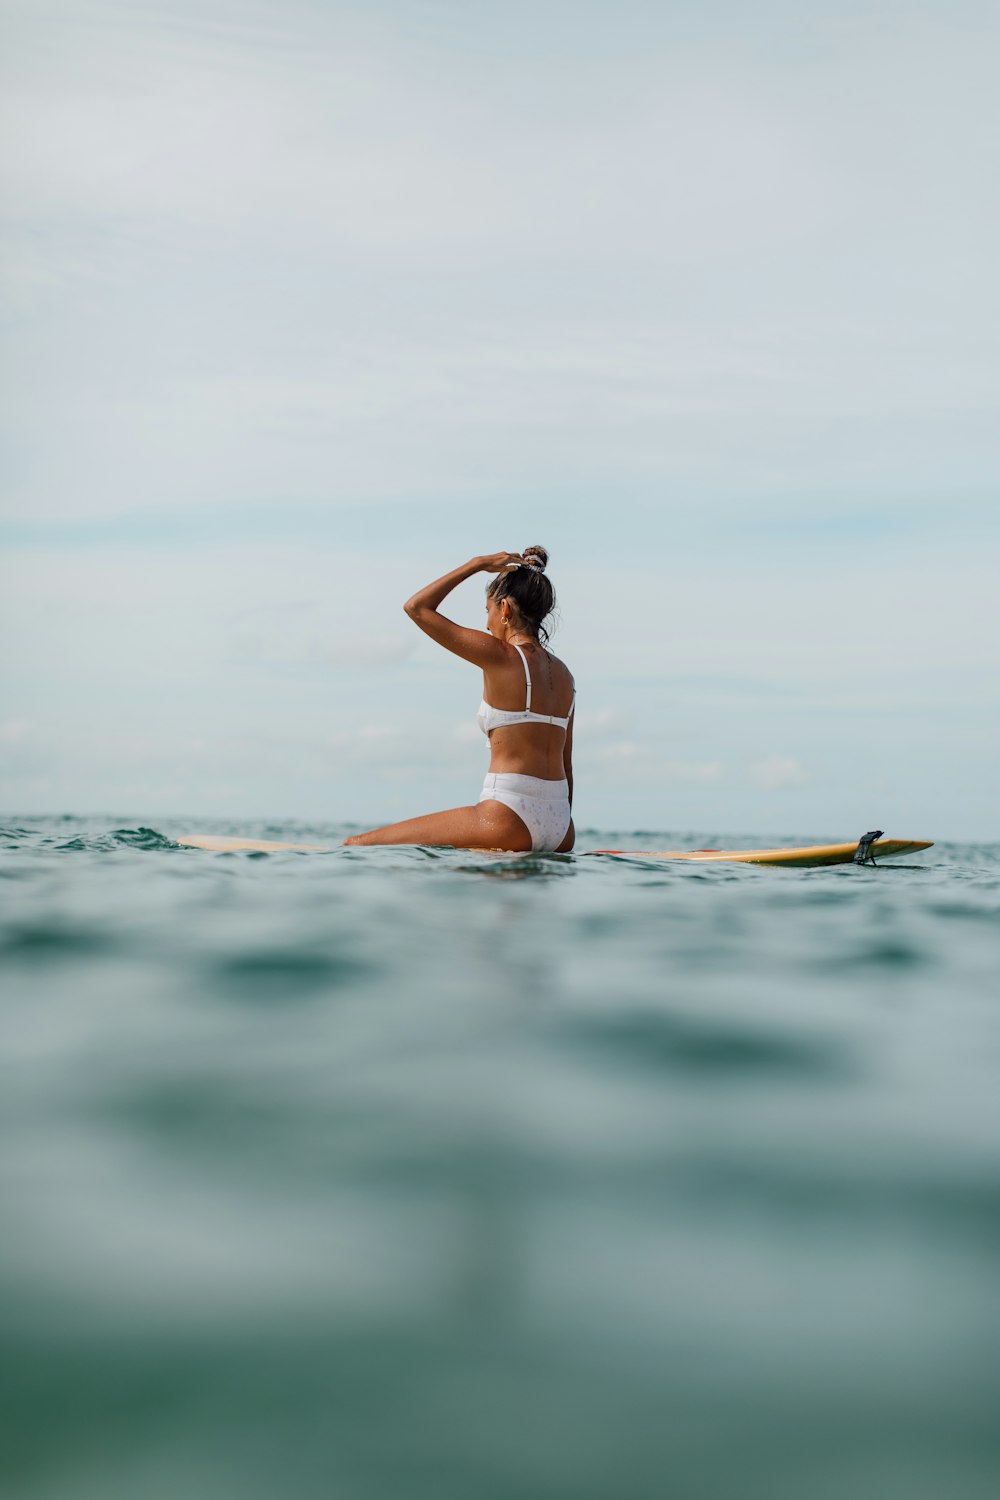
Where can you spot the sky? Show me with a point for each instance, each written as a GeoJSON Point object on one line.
{"type": "Point", "coordinates": [304, 304]}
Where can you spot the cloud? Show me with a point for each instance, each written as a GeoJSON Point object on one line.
{"type": "Point", "coordinates": [21, 753]}
{"type": "Point", "coordinates": [350, 653]}
{"type": "Point", "coordinates": [642, 759]}
{"type": "Point", "coordinates": [775, 772]}
{"type": "Point", "coordinates": [602, 724]}
{"type": "Point", "coordinates": [306, 253]}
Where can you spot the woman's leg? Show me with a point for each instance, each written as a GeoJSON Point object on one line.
{"type": "Point", "coordinates": [488, 825]}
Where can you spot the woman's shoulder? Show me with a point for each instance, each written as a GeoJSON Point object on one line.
{"type": "Point", "coordinates": [536, 655]}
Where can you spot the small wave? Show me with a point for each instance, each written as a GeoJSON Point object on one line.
{"type": "Point", "coordinates": [884, 953]}
{"type": "Point", "coordinates": [546, 866]}
{"type": "Point", "coordinates": [675, 1045]}
{"type": "Point", "coordinates": [142, 838]}
{"type": "Point", "coordinates": [266, 975]}
{"type": "Point", "coordinates": [55, 939]}
{"type": "Point", "coordinates": [115, 838]}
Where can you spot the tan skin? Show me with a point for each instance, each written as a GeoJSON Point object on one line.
{"type": "Point", "coordinates": [542, 750]}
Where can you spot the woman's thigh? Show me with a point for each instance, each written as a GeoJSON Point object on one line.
{"type": "Point", "coordinates": [488, 825]}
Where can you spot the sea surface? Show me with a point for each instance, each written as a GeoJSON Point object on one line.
{"type": "Point", "coordinates": [419, 1173]}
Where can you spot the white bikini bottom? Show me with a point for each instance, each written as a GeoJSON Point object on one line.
{"type": "Point", "coordinates": [542, 806]}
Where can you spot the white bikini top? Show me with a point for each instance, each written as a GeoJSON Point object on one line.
{"type": "Point", "coordinates": [489, 718]}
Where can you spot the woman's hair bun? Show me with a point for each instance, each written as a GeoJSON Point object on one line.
{"type": "Point", "coordinates": [530, 588]}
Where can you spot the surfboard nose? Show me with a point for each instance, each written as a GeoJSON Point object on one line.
{"type": "Point", "coordinates": [221, 844]}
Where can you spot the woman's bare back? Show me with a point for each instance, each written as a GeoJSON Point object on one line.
{"type": "Point", "coordinates": [530, 749]}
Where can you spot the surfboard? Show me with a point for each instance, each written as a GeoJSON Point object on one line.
{"type": "Point", "coordinates": [813, 854]}
{"type": "Point", "coordinates": [810, 855]}
{"type": "Point", "coordinates": [222, 845]}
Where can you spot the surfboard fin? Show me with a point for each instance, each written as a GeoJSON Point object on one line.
{"type": "Point", "coordinates": [863, 854]}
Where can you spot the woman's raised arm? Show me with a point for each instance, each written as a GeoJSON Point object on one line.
{"type": "Point", "coordinates": [477, 646]}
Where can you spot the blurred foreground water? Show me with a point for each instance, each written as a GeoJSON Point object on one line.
{"type": "Point", "coordinates": [418, 1173]}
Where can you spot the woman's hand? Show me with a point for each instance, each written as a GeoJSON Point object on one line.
{"type": "Point", "coordinates": [500, 562]}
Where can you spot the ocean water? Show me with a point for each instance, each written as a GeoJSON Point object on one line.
{"type": "Point", "coordinates": [418, 1173]}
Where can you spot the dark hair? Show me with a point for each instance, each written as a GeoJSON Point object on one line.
{"type": "Point", "coordinates": [528, 588]}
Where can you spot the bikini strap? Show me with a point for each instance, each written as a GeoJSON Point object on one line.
{"type": "Point", "coordinates": [527, 674]}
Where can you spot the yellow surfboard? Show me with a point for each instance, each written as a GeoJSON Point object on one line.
{"type": "Point", "coordinates": [813, 854]}
{"type": "Point", "coordinates": [223, 845]}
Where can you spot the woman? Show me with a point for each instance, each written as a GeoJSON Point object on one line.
{"type": "Point", "coordinates": [526, 713]}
